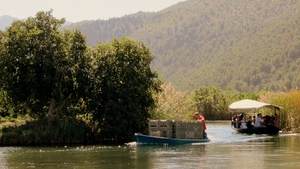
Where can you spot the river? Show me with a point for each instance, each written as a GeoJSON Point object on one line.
{"type": "Point", "coordinates": [227, 149]}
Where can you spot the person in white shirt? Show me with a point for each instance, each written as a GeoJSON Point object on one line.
{"type": "Point", "coordinates": [258, 121]}
{"type": "Point", "coordinates": [244, 124]}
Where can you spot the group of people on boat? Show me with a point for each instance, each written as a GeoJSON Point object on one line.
{"type": "Point", "coordinates": [240, 121]}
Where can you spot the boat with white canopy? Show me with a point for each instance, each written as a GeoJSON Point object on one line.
{"type": "Point", "coordinates": [242, 122]}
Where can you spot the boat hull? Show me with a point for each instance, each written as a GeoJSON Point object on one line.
{"type": "Point", "coordinates": [145, 139]}
{"type": "Point", "coordinates": [260, 130]}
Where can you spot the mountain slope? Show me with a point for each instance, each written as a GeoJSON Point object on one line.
{"type": "Point", "coordinates": [248, 45]}
{"type": "Point", "coordinates": [236, 44]}
{"type": "Point", "coordinates": [6, 21]}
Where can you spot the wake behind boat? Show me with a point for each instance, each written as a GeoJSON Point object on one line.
{"type": "Point", "coordinates": [255, 124]}
{"type": "Point", "coordinates": [146, 139]}
{"type": "Point", "coordinates": [173, 132]}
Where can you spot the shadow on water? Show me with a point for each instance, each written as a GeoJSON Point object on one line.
{"type": "Point", "coordinates": [227, 149]}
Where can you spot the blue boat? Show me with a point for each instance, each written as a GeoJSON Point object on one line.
{"type": "Point", "coordinates": [151, 140]}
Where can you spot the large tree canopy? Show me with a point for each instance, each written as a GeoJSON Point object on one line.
{"type": "Point", "coordinates": [43, 69]}
{"type": "Point", "coordinates": [125, 86]}
{"type": "Point", "coordinates": [47, 73]}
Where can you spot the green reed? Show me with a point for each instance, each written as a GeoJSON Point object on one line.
{"type": "Point", "coordinates": [290, 101]}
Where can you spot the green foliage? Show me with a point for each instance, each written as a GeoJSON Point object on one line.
{"type": "Point", "coordinates": [248, 95]}
{"type": "Point", "coordinates": [67, 131]}
{"type": "Point", "coordinates": [110, 92]}
{"type": "Point", "coordinates": [6, 108]}
{"type": "Point", "coordinates": [124, 86]}
{"type": "Point", "coordinates": [173, 105]}
{"type": "Point", "coordinates": [43, 69]}
{"type": "Point", "coordinates": [212, 102]}
{"type": "Point", "coordinates": [53, 75]}
{"type": "Point", "coordinates": [290, 101]}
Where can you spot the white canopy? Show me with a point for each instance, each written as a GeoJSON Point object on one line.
{"type": "Point", "coordinates": [248, 105]}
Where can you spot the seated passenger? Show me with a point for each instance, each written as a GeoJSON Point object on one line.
{"type": "Point", "coordinates": [244, 124]}
{"type": "Point", "coordinates": [258, 121]}
{"type": "Point", "coordinates": [267, 120]}
{"type": "Point", "coordinates": [249, 124]}
{"type": "Point", "coordinates": [253, 121]}
{"type": "Point", "coordinates": [233, 120]}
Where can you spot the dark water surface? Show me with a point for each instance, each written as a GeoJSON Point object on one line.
{"type": "Point", "coordinates": [227, 149]}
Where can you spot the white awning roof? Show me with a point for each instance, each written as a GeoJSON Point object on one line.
{"type": "Point", "coordinates": [248, 105]}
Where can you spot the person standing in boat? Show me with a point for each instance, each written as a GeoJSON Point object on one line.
{"type": "Point", "coordinates": [199, 117]}
{"type": "Point", "coordinates": [258, 121]}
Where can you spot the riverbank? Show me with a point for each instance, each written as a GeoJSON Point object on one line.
{"type": "Point", "coordinates": [36, 133]}
{"type": "Point", "coordinates": [63, 132]}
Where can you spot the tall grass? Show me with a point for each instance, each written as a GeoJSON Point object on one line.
{"type": "Point", "coordinates": [290, 101]}
{"type": "Point", "coordinates": [173, 105]}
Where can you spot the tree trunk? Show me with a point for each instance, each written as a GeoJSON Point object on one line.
{"type": "Point", "coordinates": [51, 111]}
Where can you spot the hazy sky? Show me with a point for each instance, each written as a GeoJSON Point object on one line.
{"type": "Point", "coordinates": [78, 10]}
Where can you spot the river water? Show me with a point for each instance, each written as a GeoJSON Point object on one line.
{"type": "Point", "coordinates": [227, 149]}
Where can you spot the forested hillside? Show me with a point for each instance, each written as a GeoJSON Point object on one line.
{"type": "Point", "coordinates": [248, 45]}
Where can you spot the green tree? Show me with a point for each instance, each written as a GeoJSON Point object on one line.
{"type": "Point", "coordinates": [43, 70]}
{"type": "Point", "coordinates": [124, 88]}
{"type": "Point", "coordinates": [211, 102]}
{"type": "Point", "coordinates": [6, 110]}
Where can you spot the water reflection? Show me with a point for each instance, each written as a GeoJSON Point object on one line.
{"type": "Point", "coordinates": [3, 152]}
{"type": "Point", "coordinates": [227, 149]}
{"type": "Point", "coordinates": [170, 157]}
